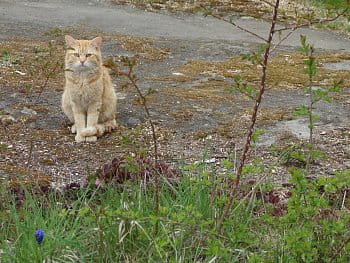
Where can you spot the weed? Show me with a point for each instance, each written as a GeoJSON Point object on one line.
{"type": "Point", "coordinates": [315, 96]}
{"type": "Point", "coordinates": [55, 32]}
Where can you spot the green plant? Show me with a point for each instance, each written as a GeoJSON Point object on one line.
{"type": "Point", "coordinates": [315, 95]}
{"type": "Point", "coordinates": [5, 56]}
{"type": "Point", "coordinates": [316, 228]}
{"type": "Point", "coordinates": [55, 32]}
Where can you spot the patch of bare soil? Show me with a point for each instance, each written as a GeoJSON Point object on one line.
{"type": "Point", "coordinates": [192, 100]}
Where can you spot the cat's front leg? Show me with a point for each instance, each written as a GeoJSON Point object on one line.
{"type": "Point", "coordinates": [91, 122]}
{"type": "Point", "coordinates": [79, 122]}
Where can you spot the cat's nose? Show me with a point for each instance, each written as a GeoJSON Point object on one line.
{"type": "Point", "coordinates": [82, 62]}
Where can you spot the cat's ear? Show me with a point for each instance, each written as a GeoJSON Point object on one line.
{"type": "Point", "coordinates": [69, 40]}
{"type": "Point", "coordinates": [97, 41]}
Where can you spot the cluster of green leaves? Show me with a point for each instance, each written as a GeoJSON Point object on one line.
{"type": "Point", "coordinates": [8, 58]}
{"type": "Point", "coordinates": [5, 56]}
{"type": "Point", "coordinates": [294, 155]}
{"type": "Point", "coordinates": [244, 88]}
{"type": "Point", "coordinates": [316, 226]}
{"type": "Point", "coordinates": [240, 85]}
{"type": "Point", "coordinates": [256, 58]}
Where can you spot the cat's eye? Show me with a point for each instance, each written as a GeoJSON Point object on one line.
{"type": "Point", "coordinates": [76, 54]}
{"type": "Point", "coordinates": [88, 55]}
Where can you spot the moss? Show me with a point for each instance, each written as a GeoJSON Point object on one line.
{"type": "Point", "coordinates": [205, 94]}
{"type": "Point", "coordinates": [285, 71]}
{"type": "Point", "coordinates": [182, 115]}
{"type": "Point", "coordinates": [142, 46]}
{"type": "Point", "coordinates": [3, 147]}
{"type": "Point", "coordinates": [172, 78]}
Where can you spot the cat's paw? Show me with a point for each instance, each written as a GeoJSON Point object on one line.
{"type": "Point", "coordinates": [73, 129]}
{"type": "Point", "coordinates": [79, 138]}
{"type": "Point", "coordinates": [100, 130]}
{"type": "Point", "coordinates": [91, 139]}
{"type": "Point", "coordinates": [110, 125]}
{"type": "Point", "coordinates": [89, 131]}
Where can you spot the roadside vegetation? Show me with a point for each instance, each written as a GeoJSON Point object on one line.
{"type": "Point", "coordinates": [307, 222]}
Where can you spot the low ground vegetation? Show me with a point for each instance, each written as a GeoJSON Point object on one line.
{"type": "Point", "coordinates": [305, 222]}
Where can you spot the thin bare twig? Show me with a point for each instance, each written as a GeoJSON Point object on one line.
{"type": "Point", "coordinates": [234, 186]}
{"type": "Point", "coordinates": [5, 130]}
{"type": "Point", "coordinates": [234, 24]}
{"type": "Point", "coordinates": [132, 79]}
{"type": "Point", "coordinates": [344, 198]}
{"type": "Point", "coordinates": [310, 23]}
{"type": "Point", "coordinates": [295, 27]}
{"type": "Point", "coordinates": [29, 159]}
{"type": "Point", "coordinates": [48, 77]}
{"type": "Point", "coordinates": [239, 27]}
{"type": "Point", "coordinates": [283, 39]}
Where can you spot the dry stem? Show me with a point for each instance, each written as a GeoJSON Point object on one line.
{"type": "Point", "coordinates": [234, 186]}
{"type": "Point", "coordinates": [132, 79]}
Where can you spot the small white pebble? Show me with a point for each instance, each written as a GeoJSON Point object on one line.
{"type": "Point", "coordinates": [20, 72]}
{"type": "Point", "coordinates": [178, 74]}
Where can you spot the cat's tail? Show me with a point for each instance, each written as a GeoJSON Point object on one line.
{"type": "Point", "coordinates": [99, 129]}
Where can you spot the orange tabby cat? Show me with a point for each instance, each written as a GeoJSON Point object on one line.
{"type": "Point", "coordinates": [88, 99]}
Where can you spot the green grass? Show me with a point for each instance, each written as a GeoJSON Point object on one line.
{"type": "Point", "coordinates": [119, 224]}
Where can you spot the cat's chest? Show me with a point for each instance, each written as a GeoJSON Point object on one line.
{"type": "Point", "coordinates": [86, 94]}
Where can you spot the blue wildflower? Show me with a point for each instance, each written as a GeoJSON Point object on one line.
{"type": "Point", "coordinates": [39, 236]}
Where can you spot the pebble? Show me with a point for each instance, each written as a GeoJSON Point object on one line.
{"type": "Point", "coordinates": [347, 164]}
{"type": "Point", "coordinates": [28, 111]}
{"type": "Point", "coordinates": [120, 96]}
{"type": "Point", "coordinates": [20, 72]}
{"type": "Point", "coordinates": [7, 119]}
{"type": "Point", "coordinates": [178, 74]}
{"type": "Point", "coordinates": [131, 122]}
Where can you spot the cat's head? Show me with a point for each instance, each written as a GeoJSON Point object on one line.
{"type": "Point", "coordinates": [83, 55]}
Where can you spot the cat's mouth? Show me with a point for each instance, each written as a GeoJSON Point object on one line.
{"type": "Point", "coordinates": [83, 67]}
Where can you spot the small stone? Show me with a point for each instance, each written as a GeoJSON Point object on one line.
{"type": "Point", "coordinates": [212, 160]}
{"type": "Point", "coordinates": [209, 137]}
{"type": "Point", "coordinates": [131, 122]}
{"type": "Point", "coordinates": [120, 96]}
{"type": "Point", "coordinates": [323, 133]}
{"type": "Point", "coordinates": [317, 88]}
{"type": "Point", "coordinates": [178, 74]}
{"type": "Point", "coordinates": [20, 72]}
{"type": "Point", "coordinates": [246, 17]}
{"type": "Point", "coordinates": [7, 119]}
{"type": "Point", "coordinates": [347, 164]}
{"type": "Point", "coordinates": [28, 111]}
